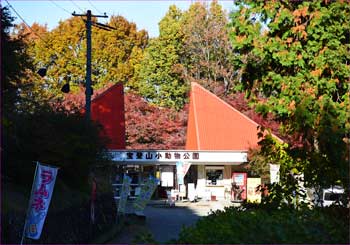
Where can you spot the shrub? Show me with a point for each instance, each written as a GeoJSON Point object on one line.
{"type": "Point", "coordinates": [257, 225]}
{"type": "Point", "coordinates": [55, 138]}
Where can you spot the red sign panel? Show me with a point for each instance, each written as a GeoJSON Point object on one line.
{"type": "Point", "coordinates": [239, 186]}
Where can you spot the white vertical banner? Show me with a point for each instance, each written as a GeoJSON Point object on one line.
{"type": "Point", "coordinates": [181, 170]}
{"type": "Point", "coordinates": [179, 173]}
{"type": "Point", "coordinates": [42, 189]}
{"type": "Point", "coordinates": [274, 173]}
{"type": "Point", "coordinates": [186, 166]}
{"type": "Point", "coordinates": [124, 194]}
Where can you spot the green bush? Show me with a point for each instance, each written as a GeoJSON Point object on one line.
{"type": "Point", "coordinates": [281, 226]}
{"type": "Point", "coordinates": [52, 137]}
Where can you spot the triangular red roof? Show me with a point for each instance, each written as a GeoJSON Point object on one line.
{"type": "Point", "coordinates": [213, 124]}
{"type": "Point", "coordinates": [108, 109]}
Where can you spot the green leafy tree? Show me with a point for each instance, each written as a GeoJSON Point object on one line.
{"type": "Point", "coordinates": [193, 46]}
{"type": "Point", "coordinates": [293, 59]}
{"type": "Point", "coordinates": [159, 78]}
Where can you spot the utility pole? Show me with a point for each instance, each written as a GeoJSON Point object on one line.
{"type": "Point", "coordinates": [88, 90]}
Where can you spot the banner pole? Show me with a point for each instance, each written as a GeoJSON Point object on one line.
{"type": "Point", "coordinates": [26, 217]}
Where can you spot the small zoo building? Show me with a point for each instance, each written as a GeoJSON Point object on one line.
{"type": "Point", "coordinates": [217, 142]}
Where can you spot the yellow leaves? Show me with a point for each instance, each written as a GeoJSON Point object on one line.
{"type": "Point", "coordinates": [270, 5]}
{"type": "Point", "coordinates": [284, 86]}
{"type": "Point", "coordinates": [316, 15]}
{"type": "Point", "coordinates": [241, 39]}
{"type": "Point", "coordinates": [300, 29]}
{"type": "Point", "coordinates": [298, 13]}
{"type": "Point", "coordinates": [346, 140]}
{"type": "Point", "coordinates": [291, 105]}
{"type": "Point", "coordinates": [265, 33]}
{"type": "Point", "coordinates": [289, 41]}
{"type": "Point", "coordinates": [243, 11]}
{"type": "Point", "coordinates": [310, 91]}
{"type": "Point", "coordinates": [259, 43]}
{"type": "Point", "coordinates": [283, 53]}
{"type": "Point", "coordinates": [316, 73]}
{"type": "Point", "coordinates": [323, 50]}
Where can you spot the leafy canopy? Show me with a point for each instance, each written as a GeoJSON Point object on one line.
{"type": "Point", "coordinates": [293, 59]}
{"type": "Point", "coordinates": [114, 54]}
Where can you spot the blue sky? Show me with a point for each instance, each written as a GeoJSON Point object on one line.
{"type": "Point", "coordinates": [146, 14]}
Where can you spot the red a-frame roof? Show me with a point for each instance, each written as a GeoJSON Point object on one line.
{"type": "Point", "coordinates": [108, 109]}
{"type": "Point", "coordinates": [215, 125]}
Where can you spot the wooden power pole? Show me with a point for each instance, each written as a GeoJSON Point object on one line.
{"type": "Point", "coordinates": [88, 90]}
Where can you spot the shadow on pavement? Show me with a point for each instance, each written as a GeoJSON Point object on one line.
{"type": "Point", "coordinates": [164, 222]}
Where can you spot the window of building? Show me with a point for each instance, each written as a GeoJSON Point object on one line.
{"type": "Point", "coordinates": [214, 175]}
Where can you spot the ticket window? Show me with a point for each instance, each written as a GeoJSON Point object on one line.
{"type": "Point", "coordinates": [214, 175]}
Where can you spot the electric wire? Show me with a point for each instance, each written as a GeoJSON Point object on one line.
{"type": "Point", "coordinates": [40, 37]}
{"type": "Point", "coordinates": [19, 16]}
{"type": "Point", "coordinates": [103, 26]}
{"type": "Point", "coordinates": [95, 7]}
{"type": "Point", "coordinates": [77, 6]}
{"type": "Point", "coordinates": [65, 10]}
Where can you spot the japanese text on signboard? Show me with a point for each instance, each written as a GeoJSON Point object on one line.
{"type": "Point", "coordinates": [43, 185]}
{"type": "Point", "coordinates": [162, 155]}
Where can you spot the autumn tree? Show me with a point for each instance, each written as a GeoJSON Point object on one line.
{"type": "Point", "coordinates": [29, 34]}
{"type": "Point", "coordinates": [293, 60]}
{"type": "Point", "coordinates": [152, 127]}
{"type": "Point", "coordinates": [207, 50]}
{"type": "Point", "coordinates": [114, 53]}
{"type": "Point", "coordinates": [17, 70]}
{"type": "Point", "coordinates": [32, 129]}
{"type": "Point", "coordinates": [35, 93]}
{"type": "Point", "coordinates": [62, 52]}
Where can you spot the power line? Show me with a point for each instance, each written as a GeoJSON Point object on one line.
{"type": "Point", "coordinates": [36, 34]}
{"type": "Point", "coordinates": [103, 26]}
{"type": "Point", "coordinates": [65, 10]}
{"type": "Point", "coordinates": [94, 7]}
{"type": "Point", "coordinates": [19, 16]}
{"type": "Point", "coordinates": [77, 6]}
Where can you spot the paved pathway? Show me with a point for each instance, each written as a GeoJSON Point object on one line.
{"type": "Point", "coordinates": [165, 222]}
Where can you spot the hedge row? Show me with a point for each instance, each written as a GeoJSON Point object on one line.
{"type": "Point", "coordinates": [284, 226]}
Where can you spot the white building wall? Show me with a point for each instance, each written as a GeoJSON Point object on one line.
{"type": "Point", "coordinates": [218, 191]}
{"type": "Point", "coordinates": [201, 181]}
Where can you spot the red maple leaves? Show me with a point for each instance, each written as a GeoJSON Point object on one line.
{"type": "Point", "coordinates": [152, 127]}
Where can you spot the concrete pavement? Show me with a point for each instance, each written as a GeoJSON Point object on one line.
{"type": "Point", "coordinates": [165, 222]}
